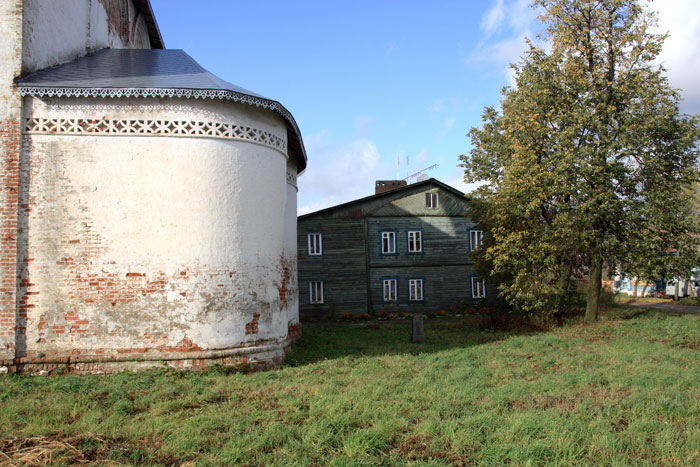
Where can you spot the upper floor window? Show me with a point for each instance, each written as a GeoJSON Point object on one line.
{"type": "Point", "coordinates": [389, 292]}
{"type": "Point", "coordinates": [475, 238]}
{"type": "Point", "coordinates": [415, 290]}
{"type": "Point", "coordinates": [315, 244]}
{"type": "Point", "coordinates": [415, 241]}
{"type": "Point", "coordinates": [431, 200]}
{"type": "Point", "coordinates": [315, 292]}
{"type": "Point", "coordinates": [388, 242]}
{"type": "Point", "coordinates": [478, 287]}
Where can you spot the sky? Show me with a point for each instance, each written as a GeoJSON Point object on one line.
{"type": "Point", "coordinates": [383, 89]}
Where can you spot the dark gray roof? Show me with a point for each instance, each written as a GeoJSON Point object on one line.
{"type": "Point", "coordinates": [388, 194]}
{"type": "Point", "coordinates": [131, 68]}
{"type": "Point", "coordinates": [149, 73]}
{"type": "Point", "coordinates": [144, 6]}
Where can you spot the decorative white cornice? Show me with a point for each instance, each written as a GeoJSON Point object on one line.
{"type": "Point", "coordinates": [292, 179]}
{"type": "Point", "coordinates": [153, 127]}
{"type": "Point", "coordinates": [38, 91]}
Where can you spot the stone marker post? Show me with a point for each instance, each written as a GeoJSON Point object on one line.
{"type": "Point", "coordinates": [418, 333]}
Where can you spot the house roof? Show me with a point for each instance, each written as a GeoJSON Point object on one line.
{"type": "Point", "coordinates": [144, 6]}
{"type": "Point", "coordinates": [119, 73]}
{"type": "Point", "coordinates": [390, 193]}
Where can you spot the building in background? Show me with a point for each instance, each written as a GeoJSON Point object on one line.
{"type": "Point", "coordinates": [408, 248]}
{"type": "Point", "coordinates": [147, 207]}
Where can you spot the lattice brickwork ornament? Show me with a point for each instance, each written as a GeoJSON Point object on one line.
{"type": "Point", "coordinates": [157, 127]}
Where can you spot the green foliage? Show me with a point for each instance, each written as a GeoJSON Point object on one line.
{"type": "Point", "coordinates": [622, 392]}
{"type": "Point", "coordinates": [588, 161]}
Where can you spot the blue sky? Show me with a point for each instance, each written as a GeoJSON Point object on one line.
{"type": "Point", "coordinates": [370, 82]}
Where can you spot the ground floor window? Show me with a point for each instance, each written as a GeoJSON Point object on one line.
{"type": "Point", "coordinates": [415, 290]}
{"type": "Point", "coordinates": [315, 292]}
{"type": "Point", "coordinates": [478, 287]}
{"type": "Point", "coordinates": [389, 292]}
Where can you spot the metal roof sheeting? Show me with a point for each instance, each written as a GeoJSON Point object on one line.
{"type": "Point", "coordinates": [149, 73]}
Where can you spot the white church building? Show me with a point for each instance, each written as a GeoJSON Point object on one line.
{"type": "Point", "coordinates": [147, 207]}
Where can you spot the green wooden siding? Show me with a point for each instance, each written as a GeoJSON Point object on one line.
{"type": "Point", "coordinates": [342, 265]}
{"type": "Point", "coordinates": [352, 267]}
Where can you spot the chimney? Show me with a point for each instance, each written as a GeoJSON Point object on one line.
{"type": "Point", "coordinates": [382, 186]}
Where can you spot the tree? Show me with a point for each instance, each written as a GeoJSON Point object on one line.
{"type": "Point", "coordinates": [588, 160]}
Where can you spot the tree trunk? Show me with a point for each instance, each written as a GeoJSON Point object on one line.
{"type": "Point", "coordinates": [634, 292]}
{"type": "Point", "coordinates": [593, 295]}
{"type": "Point", "coordinates": [675, 291]}
{"type": "Point", "coordinates": [644, 290]}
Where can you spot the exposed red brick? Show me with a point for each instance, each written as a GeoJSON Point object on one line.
{"type": "Point", "coordinates": [252, 326]}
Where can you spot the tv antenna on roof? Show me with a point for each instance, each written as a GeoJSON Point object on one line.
{"type": "Point", "coordinates": [421, 172]}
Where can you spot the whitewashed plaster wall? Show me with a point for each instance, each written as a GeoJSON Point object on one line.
{"type": "Point", "coordinates": [290, 243]}
{"type": "Point", "coordinates": [58, 31]}
{"type": "Point", "coordinates": [153, 242]}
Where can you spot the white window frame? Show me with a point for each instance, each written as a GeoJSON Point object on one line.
{"type": "Point", "coordinates": [316, 292]}
{"type": "Point", "coordinates": [431, 200]}
{"type": "Point", "coordinates": [476, 237]}
{"type": "Point", "coordinates": [390, 237]}
{"type": "Point", "coordinates": [314, 243]}
{"type": "Point", "coordinates": [415, 241]}
{"type": "Point", "coordinates": [415, 290]}
{"type": "Point", "coordinates": [391, 286]}
{"type": "Point", "coordinates": [478, 287]}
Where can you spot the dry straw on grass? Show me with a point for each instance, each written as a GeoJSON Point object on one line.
{"type": "Point", "coordinates": [49, 450]}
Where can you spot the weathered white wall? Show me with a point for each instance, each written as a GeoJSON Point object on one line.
{"type": "Point", "coordinates": [145, 242]}
{"type": "Point", "coordinates": [10, 111]}
{"type": "Point", "coordinates": [290, 243]}
{"type": "Point", "coordinates": [59, 31]}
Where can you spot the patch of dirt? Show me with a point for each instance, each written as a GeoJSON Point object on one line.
{"type": "Point", "coordinates": [415, 448]}
{"type": "Point", "coordinates": [86, 448]}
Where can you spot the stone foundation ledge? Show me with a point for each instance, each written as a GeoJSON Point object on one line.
{"type": "Point", "coordinates": [252, 358]}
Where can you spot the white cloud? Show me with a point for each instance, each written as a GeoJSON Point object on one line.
{"type": "Point", "coordinates": [493, 18]}
{"type": "Point", "coordinates": [505, 26]}
{"type": "Point", "coordinates": [449, 123]}
{"type": "Point", "coordinates": [466, 188]}
{"type": "Point", "coordinates": [337, 173]}
{"type": "Point", "coordinates": [681, 52]}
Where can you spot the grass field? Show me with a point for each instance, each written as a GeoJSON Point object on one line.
{"type": "Point", "coordinates": [625, 391]}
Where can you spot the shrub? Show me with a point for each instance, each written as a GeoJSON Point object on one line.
{"type": "Point", "coordinates": [347, 317]}
{"type": "Point", "coordinates": [364, 316]}
{"type": "Point", "coordinates": [384, 314]}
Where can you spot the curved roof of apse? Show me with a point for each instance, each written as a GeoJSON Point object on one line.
{"type": "Point", "coordinates": [119, 73]}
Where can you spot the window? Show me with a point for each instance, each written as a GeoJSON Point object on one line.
{"type": "Point", "coordinates": [389, 291]}
{"type": "Point", "coordinates": [415, 290]}
{"type": "Point", "coordinates": [478, 287]}
{"type": "Point", "coordinates": [431, 200]}
{"type": "Point", "coordinates": [475, 238]}
{"type": "Point", "coordinates": [315, 292]}
{"type": "Point", "coordinates": [415, 241]}
{"type": "Point", "coordinates": [315, 244]}
{"type": "Point", "coordinates": [389, 242]}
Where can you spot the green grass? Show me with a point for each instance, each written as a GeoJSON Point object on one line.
{"type": "Point", "coordinates": [622, 392]}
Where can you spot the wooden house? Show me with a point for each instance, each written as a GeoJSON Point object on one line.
{"type": "Point", "coordinates": [405, 249]}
